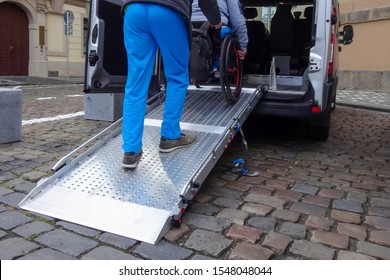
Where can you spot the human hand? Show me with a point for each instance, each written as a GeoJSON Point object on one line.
{"type": "Point", "coordinates": [241, 54]}
{"type": "Point", "coordinates": [218, 25]}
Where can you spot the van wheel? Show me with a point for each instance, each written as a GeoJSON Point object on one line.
{"type": "Point", "coordinates": [319, 130]}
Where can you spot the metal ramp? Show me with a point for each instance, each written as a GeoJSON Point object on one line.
{"type": "Point", "coordinates": [95, 191]}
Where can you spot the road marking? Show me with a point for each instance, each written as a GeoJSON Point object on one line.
{"type": "Point", "coordinates": [45, 98]}
{"type": "Point", "coordinates": [56, 118]}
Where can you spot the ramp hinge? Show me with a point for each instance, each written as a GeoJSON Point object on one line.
{"type": "Point", "coordinates": [186, 201]}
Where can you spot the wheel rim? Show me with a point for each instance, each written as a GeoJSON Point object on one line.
{"type": "Point", "coordinates": [231, 70]}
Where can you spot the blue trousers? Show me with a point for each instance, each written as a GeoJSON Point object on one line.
{"type": "Point", "coordinates": [147, 27]}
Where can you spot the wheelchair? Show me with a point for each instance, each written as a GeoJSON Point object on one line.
{"type": "Point", "coordinates": [230, 74]}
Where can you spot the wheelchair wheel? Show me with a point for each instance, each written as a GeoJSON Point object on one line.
{"type": "Point", "coordinates": [231, 69]}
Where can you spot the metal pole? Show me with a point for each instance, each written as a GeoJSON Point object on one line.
{"type": "Point", "coordinates": [67, 56]}
{"type": "Point", "coordinates": [67, 44]}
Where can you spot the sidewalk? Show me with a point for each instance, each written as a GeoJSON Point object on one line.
{"type": "Point", "coordinates": [370, 100]}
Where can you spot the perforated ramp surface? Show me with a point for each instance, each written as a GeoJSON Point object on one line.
{"type": "Point", "coordinates": [98, 192]}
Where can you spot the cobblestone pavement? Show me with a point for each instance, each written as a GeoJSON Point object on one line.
{"type": "Point", "coordinates": [312, 200]}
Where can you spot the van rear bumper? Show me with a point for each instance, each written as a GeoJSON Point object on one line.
{"type": "Point", "coordinates": [300, 108]}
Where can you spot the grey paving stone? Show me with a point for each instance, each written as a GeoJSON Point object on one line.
{"type": "Point", "coordinates": [257, 209]}
{"type": "Point", "coordinates": [14, 247]}
{"type": "Point", "coordinates": [206, 222]}
{"type": "Point", "coordinates": [356, 196]}
{"type": "Point", "coordinates": [2, 234]}
{"type": "Point", "coordinates": [201, 258]}
{"type": "Point", "coordinates": [34, 228]}
{"type": "Point", "coordinates": [12, 219]}
{"type": "Point", "coordinates": [6, 175]}
{"type": "Point", "coordinates": [265, 199]}
{"type": "Point", "coordinates": [377, 211]}
{"type": "Point", "coordinates": [235, 216]}
{"type": "Point", "coordinates": [380, 202]}
{"type": "Point", "coordinates": [347, 255]}
{"type": "Point", "coordinates": [265, 223]}
{"type": "Point", "coordinates": [294, 230]}
{"type": "Point", "coordinates": [14, 182]}
{"type": "Point", "coordinates": [373, 250]}
{"type": "Point", "coordinates": [305, 189]}
{"type": "Point", "coordinates": [308, 209]}
{"type": "Point", "coordinates": [117, 241]}
{"type": "Point", "coordinates": [107, 253]}
{"type": "Point", "coordinates": [348, 205]}
{"type": "Point", "coordinates": [247, 251]}
{"type": "Point", "coordinates": [203, 208]}
{"type": "Point", "coordinates": [224, 192]}
{"type": "Point", "coordinates": [310, 250]}
{"type": "Point", "coordinates": [228, 202]}
{"type": "Point", "coordinates": [90, 232]}
{"type": "Point", "coordinates": [5, 191]}
{"type": "Point", "coordinates": [47, 254]}
{"type": "Point", "coordinates": [26, 187]}
{"type": "Point", "coordinates": [162, 251]}
{"type": "Point", "coordinates": [67, 242]}
{"type": "Point", "coordinates": [207, 242]}
{"type": "Point", "coordinates": [12, 199]}
{"type": "Point", "coordinates": [2, 208]}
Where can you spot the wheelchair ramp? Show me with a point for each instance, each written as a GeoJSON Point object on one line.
{"type": "Point", "coordinates": [95, 191]}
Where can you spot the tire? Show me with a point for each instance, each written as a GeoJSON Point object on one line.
{"type": "Point", "coordinates": [319, 130]}
{"type": "Point", "coordinates": [231, 69]}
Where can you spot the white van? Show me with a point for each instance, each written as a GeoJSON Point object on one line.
{"type": "Point", "coordinates": [292, 53]}
{"type": "Point", "coordinates": [299, 43]}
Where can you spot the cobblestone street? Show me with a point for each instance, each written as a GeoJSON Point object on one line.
{"type": "Point", "coordinates": [312, 200]}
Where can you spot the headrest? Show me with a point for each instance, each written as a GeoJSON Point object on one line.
{"type": "Point", "coordinates": [308, 12]}
{"type": "Point", "coordinates": [285, 7]}
{"type": "Point", "coordinates": [250, 13]}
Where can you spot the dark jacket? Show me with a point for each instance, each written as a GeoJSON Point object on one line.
{"type": "Point", "coordinates": [208, 7]}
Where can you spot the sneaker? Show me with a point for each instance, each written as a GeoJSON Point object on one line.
{"type": "Point", "coordinates": [167, 145]}
{"type": "Point", "coordinates": [130, 160]}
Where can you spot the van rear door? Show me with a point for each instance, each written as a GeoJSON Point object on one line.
{"type": "Point", "coordinates": [106, 63]}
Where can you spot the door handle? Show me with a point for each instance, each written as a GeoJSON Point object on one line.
{"type": "Point", "coordinates": [11, 48]}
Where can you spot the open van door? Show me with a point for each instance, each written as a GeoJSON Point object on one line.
{"type": "Point", "coordinates": [106, 59]}
{"type": "Point", "coordinates": [106, 64]}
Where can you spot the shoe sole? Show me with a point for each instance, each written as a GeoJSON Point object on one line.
{"type": "Point", "coordinates": [176, 147]}
{"type": "Point", "coordinates": [132, 165]}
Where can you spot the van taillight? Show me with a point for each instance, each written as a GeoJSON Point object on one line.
{"type": "Point", "coordinates": [316, 109]}
{"type": "Point", "coordinates": [332, 44]}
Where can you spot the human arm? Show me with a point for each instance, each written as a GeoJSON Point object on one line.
{"type": "Point", "coordinates": [237, 21]}
{"type": "Point", "coordinates": [211, 10]}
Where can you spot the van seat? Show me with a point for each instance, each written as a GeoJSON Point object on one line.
{"type": "Point", "coordinates": [256, 50]}
{"type": "Point", "coordinates": [282, 30]}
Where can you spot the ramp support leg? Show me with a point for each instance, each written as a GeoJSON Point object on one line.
{"type": "Point", "coordinates": [272, 76]}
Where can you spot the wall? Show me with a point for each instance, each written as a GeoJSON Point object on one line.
{"type": "Point", "coordinates": [365, 64]}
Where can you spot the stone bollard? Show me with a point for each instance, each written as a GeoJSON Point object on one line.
{"type": "Point", "coordinates": [10, 115]}
{"type": "Point", "coordinates": [103, 106]}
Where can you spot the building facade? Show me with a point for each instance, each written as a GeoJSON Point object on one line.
{"type": "Point", "coordinates": [33, 40]}
{"type": "Point", "coordinates": [365, 64]}
{"type": "Point", "coordinates": [35, 43]}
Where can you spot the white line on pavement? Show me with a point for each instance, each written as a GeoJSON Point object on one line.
{"type": "Point", "coordinates": [45, 98]}
{"type": "Point", "coordinates": [49, 119]}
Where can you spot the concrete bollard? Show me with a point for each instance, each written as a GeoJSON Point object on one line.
{"type": "Point", "coordinates": [10, 115]}
{"type": "Point", "coordinates": [103, 106]}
